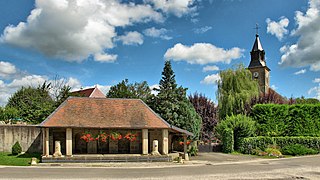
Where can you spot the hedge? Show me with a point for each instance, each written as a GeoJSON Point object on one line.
{"type": "Point", "coordinates": [227, 141]}
{"type": "Point", "coordinates": [262, 142]}
{"type": "Point", "coordinates": [287, 120]}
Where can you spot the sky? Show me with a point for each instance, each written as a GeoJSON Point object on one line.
{"type": "Point", "coordinates": [101, 42]}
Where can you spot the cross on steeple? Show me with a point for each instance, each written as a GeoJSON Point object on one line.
{"type": "Point", "coordinates": [257, 28]}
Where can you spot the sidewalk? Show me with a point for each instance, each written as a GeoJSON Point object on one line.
{"type": "Point", "coordinates": [200, 160]}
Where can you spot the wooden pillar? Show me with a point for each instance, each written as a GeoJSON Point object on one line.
{"type": "Point", "coordinates": [165, 142]}
{"type": "Point", "coordinates": [45, 144]}
{"type": "Point", "coordinates": [185, 150]}
{"type": "Point", "coordinates": [145, 140]}
{"type": "Point", "coordinates": [68, 142]}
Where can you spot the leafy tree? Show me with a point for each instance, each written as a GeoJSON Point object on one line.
{"type": "Point", "coordinates": [304, 100]}
{"type": "Point", "coordinates": [33, 104]}
{"type": "Point", "coordinates": [124, 89]}
{"type": "Point", "coordinates": [63, 94]}
{"type": "Point", "coordinates": [8, 113]}
{"type": "Point", "coordinates": [208, 112]}
{"type": "Point", "coordinates": [172, 103]}
{"type": "Point", "coordinates": [235, 89]}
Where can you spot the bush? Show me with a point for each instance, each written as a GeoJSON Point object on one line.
{"type": "Point", "coordinates": [261, 142]}
{"type": "Point", "coordinates": [193, 151]}
{"type": "Point", "coordinates": [297, 149]}
{"type": "Point", "coordinates": [273, 152]}
{"type": "Point", "coordinates": [227, 141]}
{"type": "Point", "coordinates": [16, 149]}
{"type": "Point", "coordinates": [241, 127]}
{"type": "Point", "coordinates": [287, 120]}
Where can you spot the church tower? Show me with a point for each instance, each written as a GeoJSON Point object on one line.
{"type": "Point", "coordinates": [258, 66]}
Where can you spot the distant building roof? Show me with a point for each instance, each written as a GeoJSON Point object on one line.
{"type": "Point", "coordinates": [90, 92]}
{"type": "Point", "coordinates": [107, 113]}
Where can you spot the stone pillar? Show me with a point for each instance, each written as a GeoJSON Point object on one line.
{"type": "Point", "coordinates": [45, 136]}
{"type": "Point", "coordinates": [185, 150]}
{"type": "Point", "coordinates": [68, 142]}
{"type": "Point", "coordinates": [145, 140]}
{"type": "Point", "coordinates": [165, 142]}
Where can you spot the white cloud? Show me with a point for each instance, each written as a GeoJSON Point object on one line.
{"type": "Point", "coordinates": [7, 69]}
{"type": "Point", "coordinates": [274, 87]}
{"type": "Point", "coordinates": [210, 68]}
{"type": "Point", "coordinates": [306, 51]}
{"type": "Point", "coordinates": [155, 86]}
{"type": "Point", "coordinates": [176, 7]}
{"type": "Point", "coordinates": [315, 90]}
{"type": "Point", "coordinates": [159, 33]}
{"type": "Point", "coordinates": [75, 29]}
{"type": "Point", "coordinates": [302, 71]}
{"type": "Point", "coordinates": [316, 80]}
{"type": "Point", "coordinates": [202, 29]}
{"type": "Point", "coordinates": [202, 53]}
{"type": "Point", "coordinates": [103, 57]}
{"type": "Point", "coordinates": [278, 28]}
{"type": "Point", "coordinates": [211, 79]}
{"type": "Point", "coordinates": [131, 38]}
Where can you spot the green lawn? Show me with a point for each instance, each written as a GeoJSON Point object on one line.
{"type": "Point", "coordinates": [18, 160]}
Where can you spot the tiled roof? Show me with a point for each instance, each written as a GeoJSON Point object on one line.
{"type": "Point", "coordinates": [106, 113]}
{"type": "Point", "coordinates": [90, 92]}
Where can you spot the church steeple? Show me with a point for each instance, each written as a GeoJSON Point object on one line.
{"type": "Point", "coordinates": [258, 66]}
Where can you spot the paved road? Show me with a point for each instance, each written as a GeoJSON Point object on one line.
{"type": "Point", "coordinates": [203, 167]}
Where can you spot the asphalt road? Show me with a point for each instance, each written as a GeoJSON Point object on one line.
{"type": "Point", "coordinates": [204, 168]}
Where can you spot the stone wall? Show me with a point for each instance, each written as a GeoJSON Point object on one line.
{"type": "Point", "coordinates": [29, 137]}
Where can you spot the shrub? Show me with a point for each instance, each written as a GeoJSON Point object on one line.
{"type": "Point", "coordinates": [193, 151]}
{"type": "Point", "coordinates": [242, 126]}
{"type": "Point", "coordinates": [273, 152]}
{"type": "Point", "coordinates": [297, 149]}
{"type": "Point", "coordinates": [227, 141]}
{"type": "Point", "coordinates": [262, 142]}
{"type": "Point", "coordinates": [16, 148]}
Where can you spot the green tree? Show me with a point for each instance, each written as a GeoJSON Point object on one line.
{"type": "Point", "coordinates": [8, 114]}
{"type": "Point", "coordinates": [33, 104]}
{"type": "Point", "coordinates": [235, 90]}
{"type": "Point", "coordinates": [124, 89]}
{"type": "Point", "coordinates": [304, 100]}
{"type": "Point", "coordinates": [172, 103]}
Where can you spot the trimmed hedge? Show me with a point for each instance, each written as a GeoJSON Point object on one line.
{"type": "Point", "coordinates": [262, 142]}
{"type": "Point", "coordinates": [287, 120]}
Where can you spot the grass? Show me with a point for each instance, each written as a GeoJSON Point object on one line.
{"type": "Point", "coordinates": [17, 160]}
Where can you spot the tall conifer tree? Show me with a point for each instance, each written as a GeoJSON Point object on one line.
{"type": "Point", "coordinates": [172, 104]}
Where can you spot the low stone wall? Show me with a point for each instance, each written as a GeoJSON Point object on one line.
{"type": "Point", "coordinates": [29, 137]}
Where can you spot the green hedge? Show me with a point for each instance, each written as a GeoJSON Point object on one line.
{"type": "Point", "coordinates": [287, 120]}
{"type": "Point", "coordinates": [227, 141]}
{"type": "Point", "coordinates": [262, 142]}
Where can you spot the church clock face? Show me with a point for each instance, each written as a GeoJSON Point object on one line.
{"type": "Point", "coordinates": [255, 74]}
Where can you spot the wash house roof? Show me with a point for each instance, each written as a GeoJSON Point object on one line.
{"type": "Point", "coordinates": [84, 112]}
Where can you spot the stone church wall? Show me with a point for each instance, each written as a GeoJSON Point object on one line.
{"type": "Point", "coordinates": [29, 137]}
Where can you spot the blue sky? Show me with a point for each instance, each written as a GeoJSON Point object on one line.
{"type": "Point", "coordinates": [98, 42]}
